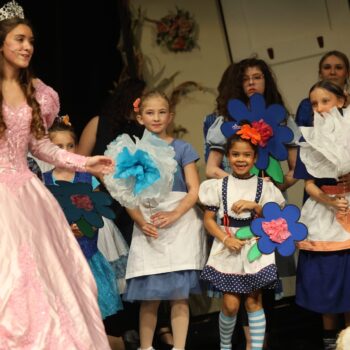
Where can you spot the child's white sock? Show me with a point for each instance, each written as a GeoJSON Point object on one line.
{"type": "Point", "coordinates": [257, 325]}
{"type": "Point", "coordinates": [226, 326]}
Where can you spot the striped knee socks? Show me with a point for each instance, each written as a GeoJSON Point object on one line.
{"type": "Point", "coordinates": [226, 326]}
{"type": "Point", "coordinates": [257, 325]}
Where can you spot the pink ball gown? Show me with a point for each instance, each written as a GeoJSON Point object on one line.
{"type": "Point", "coordinates": [47, 292]}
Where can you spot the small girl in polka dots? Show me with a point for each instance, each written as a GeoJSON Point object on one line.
{"type": "Point", "coordinates": [237, 199]}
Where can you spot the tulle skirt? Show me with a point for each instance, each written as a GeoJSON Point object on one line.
{"type": "Point", "coordinates": [164, 286]}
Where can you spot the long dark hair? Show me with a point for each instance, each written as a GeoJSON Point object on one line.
{"type": "Point", "coordinates": [231, 85]}
{"type": "Point", "coordinates": [25, 80]}
{"type": "Point", "coordinates": [118, 108]}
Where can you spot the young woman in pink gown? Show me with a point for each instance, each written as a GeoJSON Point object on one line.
{"type": "Point", "coordinates": [47, 292]}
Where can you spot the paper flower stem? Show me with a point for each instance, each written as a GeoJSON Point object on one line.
{"type": "Point", "coordinates": [85, 227]}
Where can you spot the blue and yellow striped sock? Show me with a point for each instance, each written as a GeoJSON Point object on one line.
{"type": "Point", "coordinates": [226, 326]}
{"type": "Point", "coordinates": [257, 325]}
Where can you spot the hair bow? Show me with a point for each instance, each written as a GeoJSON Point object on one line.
{"type": "Point", "coordinates": [136, 105]}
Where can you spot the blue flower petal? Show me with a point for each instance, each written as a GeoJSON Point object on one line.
{"type": "Point", "coordinates": [287, 248]}
{"type": "Point", "coordinates": [238, 110]}
{"type": "Point", "coordinates": [257, 106]}
{"type": "Point", "coordinates": [298, 230]}
{"type": "Point", "coordinates": [262, 161]}
{"type": "Point", "coordinates": [271, 211]}
{"type": "Point", "coordinates": [93, 218]}
{"type": "Point", "coordinates": [265, 245]}
{"type": "Point", "coordinates": [256, 227]}
{"type": "Point", "coordinates": [275, 114]}
{"type": "Point", "coordinates": [229, 128]}
{"type": "Point", "coordinates": [105, 211]}
{"type": "Point", "coordinates": [291, 213]}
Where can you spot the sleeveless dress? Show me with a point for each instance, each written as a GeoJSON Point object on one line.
{"type": "Point", "coordinates": [43, 305]}
{"type": "Point", "coordinates": [107, 292]}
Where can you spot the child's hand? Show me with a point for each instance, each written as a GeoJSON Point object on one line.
{"type": "Point", "coordinates": [76, 231]}
{"type": "Point", "coordinates": [243, 205]}
{"type": "Point", "coordinates": [99, 165]}
{"type": "Point", "coordinates": [164, 219]}
{"type": "Point", "coordinates": [267, 178]}
{"type": "Point", "coordinates": [234, 244]}
{"type": "Point", "coordinates": [149, 230]}
{"type": "Point", "coordinates": [340, 204]}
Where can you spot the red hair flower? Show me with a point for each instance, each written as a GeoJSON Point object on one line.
{"type": "Point", "coordinates": [136, 105]}
{"type": "Point", "coordinates": [249, 133]}
{"type": "Point", "coordinates": [265, 131]}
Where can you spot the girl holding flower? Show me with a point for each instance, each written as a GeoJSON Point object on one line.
{"type": "Point", "coordinates": [236, 199]}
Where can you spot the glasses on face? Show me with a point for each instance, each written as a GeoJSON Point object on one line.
{"type": "Point", "coordinates": [256, 78]}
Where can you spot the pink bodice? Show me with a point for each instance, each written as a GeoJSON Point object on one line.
{"type": "Point", "coordinates": [16, 142]}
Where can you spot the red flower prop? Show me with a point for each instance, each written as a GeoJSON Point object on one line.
{"type": "Point", "coordinates": [249, 133]}
{"type": "Point", "coordinates": [82, 201]}
{"type": "Point", "coordinates": [265, 131]}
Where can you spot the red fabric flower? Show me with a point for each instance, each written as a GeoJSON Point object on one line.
{"type": "Point", "coordinates": [249, 133]}
{"type": "Point", "coordinates": [265, 131]}
{"type": "Point", "coordinates": [82, 201]}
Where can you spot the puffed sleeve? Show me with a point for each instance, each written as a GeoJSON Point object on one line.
{"type": "Point", "coordinates": [271, 193]}
{"type": "Point", "coordinates": [49, 102]}
{"type": "Point", "coordinates": [296, 131]}
{"type": "Point", "coordinates": [304, 115]}
{"type": "Point", "coordinates": [46, 151]}
{"type": "Point", "coordinates": [215, 138]}
{"type": "Point", "coordinates": [209, 191]}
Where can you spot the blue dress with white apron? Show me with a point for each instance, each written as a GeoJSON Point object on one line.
{"type": "Point", "coordinates": [230, 271]}
{"type": "Point", "coordinates": [168, 268]}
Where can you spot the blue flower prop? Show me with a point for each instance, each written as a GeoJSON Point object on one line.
{"type": "Point", "coordinates": [82, 205]}
{"type": "Point", "coordinates": [138, 166]}
{"type": "Point", "coordinates": [272, 211]}
{"type": "Point", "coordinates": [273, 116]}
{"type": "Point", "coordinates": [144, 170]}
{"type": "Point", "coordinates": [278, 229]}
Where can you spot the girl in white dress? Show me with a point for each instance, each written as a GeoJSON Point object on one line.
{"type": "Point", "coordinates": [167, 250]}
{"type": "Point", "coordinates": [236, 199]}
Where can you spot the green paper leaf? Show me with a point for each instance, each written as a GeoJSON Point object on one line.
{"type": "Point", "coordinates": [244, 233]}
{"type": "Point", "coordinates": [254, 171]}
{"type": "Point", "coordinates": [274, 170]}
{"type": "Point", "coordinates": [254, 253]}
{"type": "Point", "coordinates": [85, 228]}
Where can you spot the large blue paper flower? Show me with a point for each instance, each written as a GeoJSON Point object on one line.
{"type": "Point", "coordinates": [273, 116]}
{"type": "Point", "coordinates": [139, 166]}
{"type": "Point", "coordinates": [278, 229]}
{"type": "Point", "coordinates": [82, 205]}
{"type": "Point", "coordinates": [144, 170]}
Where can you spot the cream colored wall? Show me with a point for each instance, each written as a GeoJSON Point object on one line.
{"type": "Point", "coordinates": [203, 65]}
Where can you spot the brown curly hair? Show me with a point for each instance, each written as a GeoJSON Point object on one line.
{"type": "Point", "coordinates": [25, 80]}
